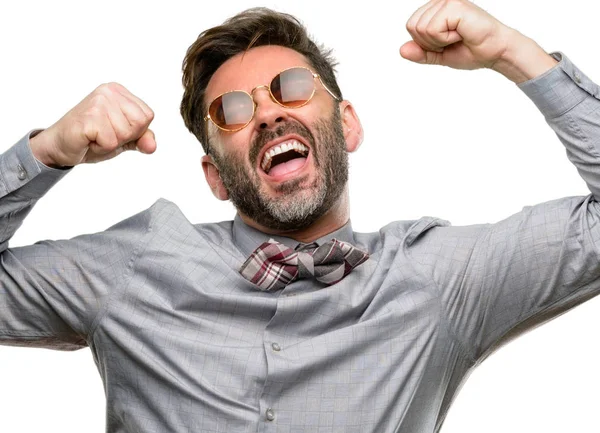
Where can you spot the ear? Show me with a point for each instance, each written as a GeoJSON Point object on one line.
{"type": "Point", "coordinates": [353, 131]}
{"type": "Point", "coordinates": [211, 173]}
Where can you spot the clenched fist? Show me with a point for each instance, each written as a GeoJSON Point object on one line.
{"type": "Point", "coordinates": [461, 35]}
{"type": "Point", "coordinates": [107, 122]}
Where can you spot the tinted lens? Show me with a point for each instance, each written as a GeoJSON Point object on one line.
{"type": "Point", "coordinates": [232, 110]}
{"type": "Point", "coordinates": [294, 87]}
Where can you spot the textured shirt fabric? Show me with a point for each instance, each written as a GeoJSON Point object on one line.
{"type": "Point", "coordinates": [184, 343]}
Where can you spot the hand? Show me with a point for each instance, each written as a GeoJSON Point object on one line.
{"type": "Point", "coordinates": [107, 122]}
{"type": "Point", "coordinates": [459, 34]}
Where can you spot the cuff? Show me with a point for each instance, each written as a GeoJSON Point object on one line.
{"type": "Point", "coordinates": [20, 170]}
{"type": "Point", "coordinates": [559, 89]}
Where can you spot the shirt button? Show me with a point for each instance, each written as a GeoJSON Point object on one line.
{"type": "Point", "coordinates": [276, 347]}
{"type": "Point", "coordinates": [22, 174]}
{"type": "Point", "coordinates": [577, 78]}
{"type": "Point", "coordinates": [270, 414]}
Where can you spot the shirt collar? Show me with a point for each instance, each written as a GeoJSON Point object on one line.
{"type": "Point", "coordinates": [247, 238]}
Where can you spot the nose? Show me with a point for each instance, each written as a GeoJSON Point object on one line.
{"type": "Point", "coordinates": [268, 112]}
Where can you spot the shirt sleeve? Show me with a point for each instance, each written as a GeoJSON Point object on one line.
{"type": "Point", "coordinates": [52, 293]}
{"type": "Point", "coordinates": [499, 280]}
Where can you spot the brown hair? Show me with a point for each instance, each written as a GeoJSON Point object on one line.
{"type": "Point", "coordinates": [250, 28]}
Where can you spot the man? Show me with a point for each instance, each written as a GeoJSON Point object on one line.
{"type": "Point", "coordinates": [351, 134]}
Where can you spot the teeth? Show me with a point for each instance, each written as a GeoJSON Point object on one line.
{"type": "Point", "coordinates": [281, 148]}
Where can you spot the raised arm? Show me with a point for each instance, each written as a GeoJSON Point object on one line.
{"type": "Point", "coordinates": [52, 291]}
{"type": "Point", "coordinates": [498, 280]}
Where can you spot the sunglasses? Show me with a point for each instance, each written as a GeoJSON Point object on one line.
{"type": "Point", "coordinates": [291, 88]}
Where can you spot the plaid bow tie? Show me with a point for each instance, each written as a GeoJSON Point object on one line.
{"type": "Point", "coordinates": [272, 265]}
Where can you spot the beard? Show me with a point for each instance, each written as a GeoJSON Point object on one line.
{"type": "Point", "coordinates": [296, 206]}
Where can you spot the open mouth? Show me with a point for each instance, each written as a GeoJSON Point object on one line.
{"type": "Point", "coordinates": [284, 158]}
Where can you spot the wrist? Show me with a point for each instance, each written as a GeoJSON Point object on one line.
{"type": "Point", "coordinates": [40, 144]}
{"type": "Point", "coordinates": [523, 59]}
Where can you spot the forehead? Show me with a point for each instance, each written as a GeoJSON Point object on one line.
{"type": "Point", "coordinates": [252, 68]}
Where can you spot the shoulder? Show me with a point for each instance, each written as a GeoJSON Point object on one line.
{"type": "Point", "coordinates": [399, 234]}
{"type": "Point", "coordinates": [165, 221]}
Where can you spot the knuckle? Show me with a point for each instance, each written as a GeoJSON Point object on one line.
{"type": "Point", "coordinates": [110, 138]}
{"type": "Point", "coordinates": [104, 89]}
{"type": "Point", "coordinates": [113, 85]}
{"type": "Point", "coordinates": [106, 139]}
{"type": "Point", "coordinates": [97, 100]}
{"type": "Point", "coordinates": [96, 109]}
{"type": "Point", "coordinates": [116, 143]}
{"type": "Point", "coordinates": [111, 88]}
{"type": "Point", "coordinates": [146, 116]}
{"type": "Point", "coordinates": [133, 121]}
{"type": "Point", "coordinates": [111, 143]}
{"type": "Point", "coordinates": [136, 120]}
{"type": "Point", "coordinates": [116, 136]}
{"type": "Point", "coordinates": [124, 133]}
{"type": "Point", "coordinates": [108, 90]}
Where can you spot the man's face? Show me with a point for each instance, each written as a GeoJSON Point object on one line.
{"type": "Point", "coordinates": [308, 176]}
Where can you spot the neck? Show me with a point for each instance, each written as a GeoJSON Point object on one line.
{"type": "Point", "coordinates": [333, 219]}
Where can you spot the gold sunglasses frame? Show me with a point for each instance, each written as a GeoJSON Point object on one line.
{"type": "Point", "coordinates": [268, 87]}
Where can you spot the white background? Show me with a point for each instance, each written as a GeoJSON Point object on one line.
{"type": "Point", "coordinates": [465, 146]}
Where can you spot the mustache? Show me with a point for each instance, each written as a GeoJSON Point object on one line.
{"type": "Point", "coordinates": [267, 135]}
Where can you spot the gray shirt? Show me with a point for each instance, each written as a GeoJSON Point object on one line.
{"type": "Point", "coordinates": [185, 344]}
